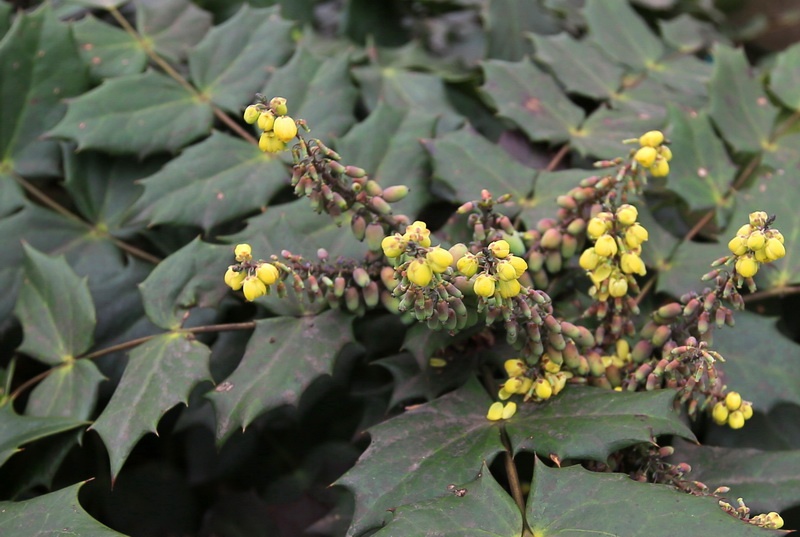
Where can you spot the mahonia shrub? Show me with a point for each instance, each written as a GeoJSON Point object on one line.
{"type": "Point", "coordinates": [459, 269]}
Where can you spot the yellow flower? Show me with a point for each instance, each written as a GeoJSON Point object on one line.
{"type": "Point", "coordinates": [253, 288]}
{"type": "Point", "coordinates": [589, 259]}
{"type": "Point", "coordinates": [235, 278]}
{"type": "Point", "coordinates": [651, 139]}
{"type": "Point", "coordinates": [439, 259]}
{"type": "Point", "coordinates": [627, 215]}
{"type": "Point", "coordinates": [738, 245]}
{"type": "Point", "coordinates": [606, 246]}
{"type": "Point", "coordinates": [660, 168]}
{"type": "Point", "coordinates": [596, 227]}
{"type": "Point", "coordinates": [269, 143]}
{"type": "Point", "coordinates": [251, 114]}
{"type": "Point", "coordinates": [267, 273]}
{"type": "Point", "coordinates": [284, 128]}
{"type": "Point", "coordinates": [500, 248]}
{"type": "Point", "coordinates": [505, 271]}
{"type": "Point", "coordinates": [484, 285]}
{"type": "Point", "coordinates": [746, 266]}
{"type": "Point", "coordinates": [514, 367]}
{"type": "Point", "coordinates": [418, 232]}
{"type": "Point", "coordinates": [419, 272]}
{"type": "Point", "coordinates": [393, 245]}
{"type": "Point", "coordinates": [266, 121]}
{"type": "Point", "coordinates": [243, 252]}
{"type": "Point", "coordinates": [720, 413]}
{"type": "Point", "coordinates": [509, 410]}
{"type": "Point", "coordinates": [636, 235]}
{"type": "Point", "coordinates": [495, 411]}
{"type": "Point", "coordinates": [617, 287]}
{"type": "Point", "coordinates": [736, 419]}
{"type": "Point", "coordinates": [519, 264]}
{"type": "Point", "coordinates": [467, 265]}
{"type": "Point", "coordinates": [632, 264]}
{"type": "Point", "coordinates": [758, 218]}
{"type": "Point", "coordinates": [774, 249]}
{"type": "Point", "coordinates": [542, 389]}
{"type": "Point", "coordinates": [756, 240]}
{"type": "Point", "coordinates": [733, 401]}
{"type": "Point", "coordinates": [646, 156]}
{"type": "Point", "coordinates": [509, 289]}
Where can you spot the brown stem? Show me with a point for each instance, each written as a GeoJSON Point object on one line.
{"type": "Point", "coordinates": [557, 158]}
{"type": "Point", "coordinates": [513, 481]}
{"type": "Point", "coordinates": [777, 291]}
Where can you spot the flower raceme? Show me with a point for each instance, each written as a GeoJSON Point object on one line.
{"type": "Point", "coordinates": [755, 243]}
{"type": "Point", "coordinates": [253, 278]}
{"type": "Point", "coordinates": [652, 154]}
{"type": "Point", "coordinates": [277, 128]}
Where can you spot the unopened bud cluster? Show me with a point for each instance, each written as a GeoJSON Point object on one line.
{"type": "Point", "coordinates": [732, 411]}
{"type": "Point", "coordinates": [653, 154]}
{"type": "Point", "coordinates": [277, 128]}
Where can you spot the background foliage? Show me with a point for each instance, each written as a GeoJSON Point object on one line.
{"type": "Point", "coordinates": [126, 174]}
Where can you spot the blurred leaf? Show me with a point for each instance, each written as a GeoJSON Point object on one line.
{"type": "Point", "coordinates": [55, 309]}
{"type": "Point", "coordinates": [686, 74]}
{"type": "Point", "coordinates": [686, 266]}
{"type": "Point", "coordinates": [70, 391]}
{"type": "Point", "coordinates": [702, 172]}
{"type": "Point", "coordinates": [190, 278]}
{"type": "Point", "coordinates": [688, 34]}
{"type": "Point", "coordinates": [478, 507]}
{"type": "Point", "coordinates": [399, 159]}
{"type": "Point", "coordinates": [160, 374]}
{"type": "Point", "coordinates": [171, 27]}
{"type": "Point", "coordinates": [467, 163]}
{"type": "Point", "coordinates": [507, 24]}
{"type": "Point", "coordinates": [531, 99]}
{"type": "Point", "coordinates": [621, 34]}
{"type": "Point", "coordinates": [550, 185]}
{"type": "Point", "coordinates": [592, 423]}
{"type": "Point", "coordinates": [759, 361]}
{"type": "Point", "coordinates": [602, 133]}
{"type": "Point", "coordinates": [37, 465]}
{"type": "Point", "coordinates": [211, 182]}
{"type": "Point", "coordinates": [574, 501]}
{"type": "Point", "coordinates": [107, 50]}
{"type": "Point", "coordinates": [237, 57]}
{"type": "Point", "coordinates": [784, 80]}
{"type": "Point", "coordinates": [767, 480]}
{"type": "Point", "coordinates": [106, 4]}
{"type": "Point", "coordinates": [319, 91]}
{"type": "Point", "coordinates": [283, 357]}
{"type": "Point", "coordinates": [777, 194]}
{"type": "Point", "coordinates": [16, 430]}
{"type": "Point", "coordinates": [12, 197]}
{"type": "Point", "coordinates": [57, 513]}
{"type": "Point", "coordinates": [777, 430]}
{"type": "Point", "coordinates": [660, 243]}
{"type": "Point", "coordinates": [739, 106]}
{"type": "Point", "coordinates": [579, 65]}
{"type": "Point", "coordinates": [39, 68]}
{"type": "Point", "coordinates": [381, 21]}
{"type": "Point", "coordinates": [5, 18]}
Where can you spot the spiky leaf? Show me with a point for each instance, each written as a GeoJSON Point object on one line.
{"type": "Point", "coordinates": [784, 81]}
{"type": "Point", "coordinates": [621, 34]}
{"type": "Point", "coordinates": [16, 430]}
{"type": "Point", "coordinates": [171, 27]}
{"type": "Point", "coordinates": [107, 50]}
{"type": "Point", "coordinates": [69, 391]}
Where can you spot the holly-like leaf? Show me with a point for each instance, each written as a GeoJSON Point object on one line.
{"type": "Point", "coordinates": [172, 27]}
{"type": "Point", "coordinates": [686, 74]}
{"type": "Point", "coordinates": [686, 267]}
{"type": "Point", "coordinates": [55, 309]}
{"type": "Point", "coordinates": [139, 114]}
{"type": "Point", "coordinates": [466, 163]}
{"type": "Point", "coordinates": [602, 133]}
{"type": "Point", "coordinates": [688, 34]}
{"type": "Point", "coordinates": [592, 423]}
{"type": "Point", "coordinates": [219, 179]}
{"type": "Point", "coordinates": [105, 4]}
{"type": "Point", "coordinates": [318, 90]}
{"type": "Point", "coordinates": [160, 374]}
{"type": "Point", "coordinates": [399, 159]}
{"type": "Point", "coordinates": [703, 172]}
{"type": "Point", "coordinates": [784, 80]}
{"type": "Point", "coordinates": [39, 68]}
{"type": "Point", "coordinates": [507, 24]}
{"type": "Point", "coordinates": [531, 99]}
{"type": "Point", "coordinates": [767, 480]}
{"type": "Point", "coordinates": [622, 35]}
{"type": "Point", "coordinates": [190, 278]}
{"type": "Point", "coordinates": [549, 185]}
{"type": "Point", "coordinates": [759, 361]}
{"type": "Point", "coordinates": [70, 391]}
{"type": "Point", "coordinates": [16, 430]}
{"type": "Point", "coordinates": [57, 513]}
{"type": "Point", "coordinates": [579, 65]}
{"type": "Point", "coordinates": [574, 501]}
{"type": "Point", "coordinates": [237, 57]}
{"type": "Point", "coordinates": [107, 50]}
{"type": "Point", "coordinates": [451, 439]}
{"type": "Point", "coordinates": [283, 357]}
{"type": "Point", "coordinates": [739, 106]}
{"type": "Point", "coordinates": [478, 507]}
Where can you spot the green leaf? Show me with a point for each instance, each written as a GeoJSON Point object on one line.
{"type": "Point", "coordinates": [767, 480]}
{"type": "Point", "coordinates": [318, 90]}
{"type": "Point", "coordinates": [621, 34]}
{"type": "Point", "coordinates": [592, 423]}
{"type": "Point", "coordinates": [688, 34]}
{"type": "Point", "coordinates": [531, 99]}
{"type": "Point", "coordinates": [399, 159]}
{"type": "Point", "coordinates": [5, 18]}
{"type": "Point", "coordinates": [759, 361]}
{"type": "Point", "coordinates": [55, 309]}
{"type": "Point", "coordinates": [660, 244]}
{"type": "Point", "coordinates": [686, 74]}
{"type": "Point", "coordinates": [686, 266]}
{"type": "Point", "coordinates": [39, 68]}
{"type": "Point", "coordinates": [214, 181]}
{"type": "Point", "coordinates": [507, 23]}
{"type": "Point", "coordinates": [35, 467]}
{"type": "Point", "coordinates": [190, 278]}
{"type": "Point", "coordinates": [466, 163]}
{"type": "Point", "coordinates": [160, 374]}
{"type": "Point", "coordinates": [106, 4]}
{"type": "Point", "coordinates": [549, 185]}
{"type": "Point", "coordinates": [70, 391]}
{"type": "Point", "coordinates": [57, 513]}
{"type": "Point", "coordinates": [283, 357]}
{"type": "Point", "coordinates": [574, 501]}
{"type": "Point", "coordinates": [702, 172]}
{"type": "Point", "coordinates": [16, 430]}
{"type": "Point", "coordinates": [451, 439]}
{"type": "Point", "coordinates": [237, 57]}
{"type": "Point", "coordinates": [139, 114]}
{"type": "Point", "coordinates": [739, 106]}
{"type": "Point", "coordinates": [171, 27]}
{"type": "Point", "coordinates": [107, 50]}
{"type": "Point", "coordinates": [784, 80]}
{"type": "Point", "coordinates": [602, 133]}
{"type": "Point", "coordinates": [478, 507]}
{"type": "Point", "coordinates": [579, 65]}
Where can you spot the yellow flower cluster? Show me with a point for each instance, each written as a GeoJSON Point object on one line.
{"type": "Point", "coordinates": [500, 276]}
{"type": "Point", "coordinates": [420, 270]}
{"type": "Point", "coordinates": [253, 278]}
{"type": "Point", "coordinates": [652, 154]}
{"type": "Point", "coordinates": [732, 411]}
{"type": "Point", "coordinates": [616, 254]}
{"type": "Point", "coordinates": [277, 127]}
{"type": "Point", "coordinates": [756, 243]}
{"type": "Point", "coordinates": [520, 382]}
{"type": "Point", "coordinates": [770, 521]}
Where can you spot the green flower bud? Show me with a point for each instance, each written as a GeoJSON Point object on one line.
{"type": "Point", "coordinates": [395, 193]}
{"type": "Point", "coordinates": [251, 114]}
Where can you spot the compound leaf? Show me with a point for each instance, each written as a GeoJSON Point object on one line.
{"type": "Point", "coordinates": [284, 355]}
{"type": "Point", "coordinates": [160, 374]}
{"type": "Point", "coordinates": [55, 309]}
{"type": "Point", "coordinates": [138, 114]}
{"type": "Point", "coordinates": [16, 430]}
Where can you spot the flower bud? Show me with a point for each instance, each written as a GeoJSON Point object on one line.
{"type": "Point", "coordinates": [651, 139]}
{"type": "Point", "coordinates": [509, 289]}
{"type": "Point", "coordinates": [505, 271]}
{"type": "Point", "coordinates": [606, 246]}
{"type": "Point", "coordinates": [660, 168]}
{"type": "Point", "coordinates": [645, 156]}
{"type": "Point", "coordinates": [627, 214]}
{"type": "Point", "coordinates": [746, 266]}
{"type": "Point", "coordinates": [395, 193]}
{"type": "Point", "coordinates": [551, 239]}
{"type": "Point", "coordinates": [267, 273]}
{"type": "Point", "coordinates": [439, 259]}
{"type": "Point", "coordinates": [774, 249]}
{"type": "Point", "coordinates": [720, 413]}
{"type": "Point", "coordinates": [661, 335]}
{"type": "Point", "coordinates": [617, 287]}
{"type": "Point", "coordinates": [736, 419]}
{"type": "Point", "coordinates": [278, 105]}
{"type": "Point", "coordinates": [500, 248]}
{"type": "Point", "coordinates": [484, 285]}
{"type": "Point", "coordinates": [266, 121]}
{"type": "Point", "coordinates": [733, 401]}
{"type": "Point", "coordinates": [467, 265]}
{"type": "Point", "coordinates": [747, 410]}
{"type": "Point", "coordinates": [419, 272]}
{"type": "Point", "coordinates": [577, 227]}
{"type": "Point", "coordinates": [361, 277]}
{"type": "Point", "coordinates": [665, 152]}
{"type": "Point", "coordinates": [251, 114]}
{"type": "Point", "coordinates": [738, 245]}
